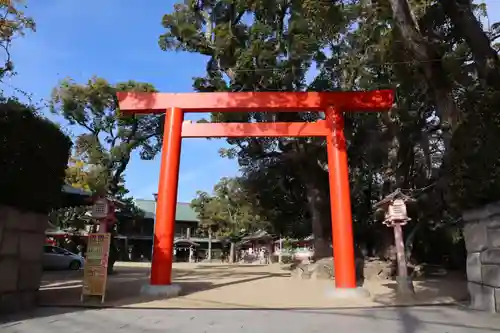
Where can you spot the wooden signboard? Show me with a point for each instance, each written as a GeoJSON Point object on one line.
{"type": "Point", "coordinates": [95, 273]}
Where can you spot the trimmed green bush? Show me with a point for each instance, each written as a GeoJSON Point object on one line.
{"type": "Point", "coordinates": [33, 157]}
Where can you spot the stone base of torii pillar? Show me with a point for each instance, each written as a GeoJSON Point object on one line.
{"type": "Point", "coordinates": [166, 291]}
{"type": "Point", "coordinates": [348, 293]}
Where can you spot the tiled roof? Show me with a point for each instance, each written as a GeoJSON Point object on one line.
{"type": "Point", "coordinates": [257, 235]}
{"type": "Point", "coordinates": [73, 190]}
{"type": "Point", "coordinates": [184, 212]}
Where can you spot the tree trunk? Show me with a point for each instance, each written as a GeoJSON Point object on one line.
{"type": "Point", "coordinates": [232, 252]}
{"type": "Point", "coordinates": [464, 21]}
{"type": "Point", "coordinates": [315, 203]}
{"type": "Point", "coordinates": [209, 257]}
{"type": "Point", "coordinates": [431, 64]}
{"type": "Point", "coordinates": [280, 255]}
{"type": "Point", "coordinates": [405, 285]}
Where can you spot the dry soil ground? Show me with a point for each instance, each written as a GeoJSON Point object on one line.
{"type": "Point", "coordinates": [238, 287]}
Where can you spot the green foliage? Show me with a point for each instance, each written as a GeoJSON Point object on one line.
{"type": "Point", "coordinates": [105, 141]}
{"type": "Point", "coordinates": [78, 175]}
{"type": "Point", "coordinates": [34, 154]}
{"type": "Point", "coordinates": [473, 167]}
{"type": "Point", "coordinates": [69, 218]}
{"type": "Point", "coordinates": [263, 46]}
{"type": "Point", "coordinates": [226, 213]}
{"type": "Point", "coordinates": [276, 192]}
{"type": "Point", "coordinates": [287, 244]}
{"type": "Point", "coordinates": [108, 138]}
{"type": "Point", "coordinates": [433, 56]}
{"type": "Point", "coordinates": [13, 24]}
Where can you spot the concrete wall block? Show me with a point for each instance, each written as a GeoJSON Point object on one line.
{"type": "Point", "coordinates": [28, 221]}
{"type": "Point", "coordinates": [493, 236]}
{"type": "Point", "coordinates": [2, 228]}
{"type": "Point", "coordinates": [13, 217]}
{"type": "Point", "coordinates": [494, 221]}
{"type": "Point", "coordinates": [30, 275]}
{"type": "Point", "coordinates": [18, 301]}
{"type": "Point", "coordinates": [482, 213]}
{"type": "Point", "coordinates": [490, 257]}
{"type": "Point", "coordinates": [491, 275]}
{"type": "Point", "coordinates": [474, 267]}
{"type": "Point", "coordinates": [21, 249]}
{"type": "Point", "coordinates": [10, 243]}
{"type": "Point", "coordinates": [42, 223]}
{"type": "Point", "coordinates": [31, 246]}
{"type": "Point", "coordinates": [482, 297]}
{"type": "Point", "coordinates": [475, 236]}
{"type": "Point", "coordinates": [3, 214]}
{"type": "Point", "coordinates": [9, 268]}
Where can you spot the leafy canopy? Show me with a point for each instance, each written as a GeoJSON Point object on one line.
{"type": "Point", "coordinates": [227, 212]}
{"type": "Point", "coordinates": [13, 23]}
{"type": "Point", "coordinates": [106, 139]}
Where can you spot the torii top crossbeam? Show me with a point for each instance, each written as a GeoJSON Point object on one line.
{"type": "Point", "coordinates": [132, 102]}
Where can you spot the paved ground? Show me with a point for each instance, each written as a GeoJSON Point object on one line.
{"type": "Point", "coordinates": [237, 286]}
{"type": "Point", "coordinates": [405, 320]}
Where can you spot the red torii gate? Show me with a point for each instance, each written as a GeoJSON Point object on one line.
{"type": "Point", "coordinates": [332, 128]}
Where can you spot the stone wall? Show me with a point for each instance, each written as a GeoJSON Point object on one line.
{"type": "Point", "coordinates": [22, 236]}
{"type": "Point", "coordinates": [482, 240]}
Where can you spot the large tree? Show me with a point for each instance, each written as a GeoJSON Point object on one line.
{"type": "Point", "coordinates": [417, 48]}
{"type": "Point", "coordinates": [262, 46]}
{"type": "Point", "coordinates": [106, 139]}
{"type": "Point", "coordinates": [227, 213]}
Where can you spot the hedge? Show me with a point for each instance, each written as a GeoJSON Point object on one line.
{"type": "Point", "coordinates": [33, 157]}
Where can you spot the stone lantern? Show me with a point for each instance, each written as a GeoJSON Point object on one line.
{"type": "Point", "coordinates": [394, 207]}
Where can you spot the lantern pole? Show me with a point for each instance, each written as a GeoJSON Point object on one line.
{"type": "Point", "coordinates": [405, 285]}
{"type": "Point", "coordinates": [396, 217]}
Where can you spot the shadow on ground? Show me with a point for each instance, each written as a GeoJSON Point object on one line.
{"type": "Point", "coordinates": [451, 287]}
{"type": "Point", "coordinates": [124, 286]}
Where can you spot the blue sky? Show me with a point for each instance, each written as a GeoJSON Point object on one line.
{"type": "Point", "coordinates": [118, 40]}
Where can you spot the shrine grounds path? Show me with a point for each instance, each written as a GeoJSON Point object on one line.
{"type": "Point", "coordinates": [246, 298]}
{"type": "Point", "coordinates": [238, 286]}
{"type": "Point", "coordinates": [433, 319]}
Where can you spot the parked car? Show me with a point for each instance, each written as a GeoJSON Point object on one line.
{"type": "Point", "coordinates": [55, 257]}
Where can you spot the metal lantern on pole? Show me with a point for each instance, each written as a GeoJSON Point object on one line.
{"type": "Point", "coordinates": [396, 215]}
{"type": "Point", "coordinates": [103, 211]}
{"type": "Point", "coordinates": [100, 208]}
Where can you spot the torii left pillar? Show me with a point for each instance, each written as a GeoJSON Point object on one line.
{"type": "Point", "coordinates": [163, 243]}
